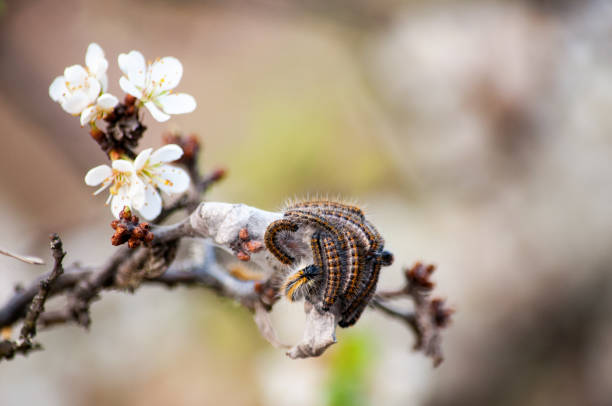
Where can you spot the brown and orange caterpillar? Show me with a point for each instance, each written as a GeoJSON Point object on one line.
{"type": "Point", "coordinates": [271, 243]}
{"type": "Point", "coordinates": [355, 308]}
{"type": "Point", "coordinates": [319, 204]}
{"type": "Point", "coordinates": [333, 269]}
{"type": "Point", "coordinates": [355, 264]}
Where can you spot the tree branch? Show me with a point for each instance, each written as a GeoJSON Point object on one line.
{"type": "Point", "coordinates": [235, 228]}
{"type": "Point", "coordinates": [429, 317]}
{"type": "Point", "coordinates": [211, 275]}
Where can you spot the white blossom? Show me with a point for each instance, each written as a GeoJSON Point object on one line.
{"type": "Point", "coordinates": [105, 104]}
{"type": "Point", "coordinates": [135, 183]}
{"type": "Point", "coordinates": [153, 172]}
{"type": "Point", "coordinates": [80, 87]}
{"type": "Point", "coordinates": [153, 83]}
{"type": "Point", "coordinates": [121, 179]}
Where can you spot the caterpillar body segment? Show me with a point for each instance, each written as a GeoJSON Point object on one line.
{"type": "Point", "coordinates": [355, 309]}
{"type": "Point", "coordinates": [377, 242]}
{"type": "Point", "coordinates": [333, 268]}
{"type": "Point", "coordinates": [271, 241]}
{"type": "Point", "coordinates": [319, 204]}
{"type": "Point", "coordinates": [355, 264]}
{"type": "Point", "coordinates": [367, 235]}
{"type": "Point", "coordinates": [319, 222]}
{"type": "Point", "coordinates": [315, 246]}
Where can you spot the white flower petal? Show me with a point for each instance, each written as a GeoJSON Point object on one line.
{"type": "Point", "coordinates": [166, 73]}
{"type": "Point", "coordinates": [122, 165]}
{"type": "Point", "coordinates": [88, 115]}
{"type": "Point", "coordinates": [137, 192]}
{"type": "Point", "coordinates": [133, 65]}
{"type": "Point", "coordinates": [76, 102]}
{"type": "Point", "coordinates": [58, 90]}
{"type": "Point", "coordinates": [175, 180]}
{"type": "Point", "coordinates": [75, 75]}
{"type": "Point", "coordinates": [107, 101]}
{"type": "Point", "coordinates": [95, 60]}
{"type": "Point", "coordinates": [92, 88]}
{"type": "Point", "coordinates": [129, 87]}
{"type": "Point", "coordinates": [156, 113]}
{"type": "Point", "coordinates": [103, 82]}
{"type": "Point", "coordinates": [97, 175]}
{"type": "Point", "coordinates": [152, 204]}
{"type": "Point", "coordinates": [167, 153]}
{"type": "Point", "coordinates": [142, 158]}
{"type": "Point", "coordinates": [100, 69]}
{"type": "Point", "coordinates": [94, 55]}
{"type": "Point", "coordinates": [177, 103]}
{"type": "Point", "coordinates": [120, 200]}
{"type": "Point", "coordinates": [123, 60]}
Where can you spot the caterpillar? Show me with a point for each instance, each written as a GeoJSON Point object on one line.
{"type": "Point", "coordinates": [354, 309]}
{"type": "Point", "coordinates": [332, 266]}
{"type": "Point", "coordinates": [270, 239]}
{"type": "Point", "coordinates": [317, 205]}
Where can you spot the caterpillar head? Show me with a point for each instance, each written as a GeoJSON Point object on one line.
{"type": "Point", "coordinates": [386, 258]}
{"type": "Point", "coordinates": [303, 283]}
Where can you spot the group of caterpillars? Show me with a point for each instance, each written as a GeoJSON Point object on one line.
{"type": "Point", "coordinates": [347, 253]}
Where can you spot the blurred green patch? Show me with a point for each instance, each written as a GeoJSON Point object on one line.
{"type": "Point", "coordinates": [227, 327]}
{"type": "Point", "coordinates": [2, 7]}
{"type": "Point", "coordinates": [304, 147]}
{"type": "Point", "coordinates": [350, 368]}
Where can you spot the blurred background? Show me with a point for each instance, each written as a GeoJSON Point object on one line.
{"type": "Point", "coordinates": [477, 134]}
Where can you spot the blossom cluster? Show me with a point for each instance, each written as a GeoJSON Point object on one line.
{"type": "Point", "coordinates": [82, 90]}
{"type": "Point", "coordinates": [135, 183]}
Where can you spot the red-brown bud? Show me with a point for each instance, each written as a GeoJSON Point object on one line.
{"type": "Point", "coordinates": [243, 256]}
{"type": "Point", "coordinates": [129, 100]}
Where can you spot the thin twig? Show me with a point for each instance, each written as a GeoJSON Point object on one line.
{"type": "Point", "coordinates": [9, 348]}
{"type": "Point", "coordinates": [211, 275]}
{"type": "Point", "coordinates": [37, 306]}
{"type": "Point", "coordinates": [28, 259]}
{"type": "Point", "coordinates": [430, 315]}
{"type": "Point", "coordinates": [407, 317]}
